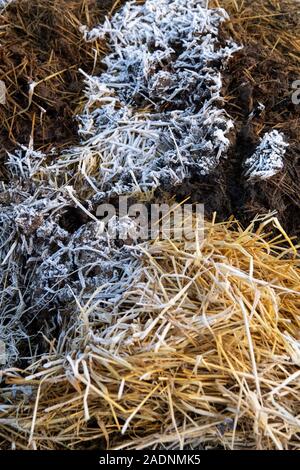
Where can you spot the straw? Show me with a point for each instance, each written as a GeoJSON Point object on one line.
{"type": "Point", "coordinates": [194, 355]}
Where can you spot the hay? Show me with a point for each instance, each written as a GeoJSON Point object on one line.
{"type": "Point", "coordinates": [201, 350]}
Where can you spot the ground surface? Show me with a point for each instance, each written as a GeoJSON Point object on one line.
{"type": "Point", "coordinates": [42, 43]}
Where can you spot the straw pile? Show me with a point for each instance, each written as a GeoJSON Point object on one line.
{"type": "Point", "coordinates": [202, 350]}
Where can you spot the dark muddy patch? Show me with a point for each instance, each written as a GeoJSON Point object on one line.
{"type": "Point", "coordinates": [270, 84]}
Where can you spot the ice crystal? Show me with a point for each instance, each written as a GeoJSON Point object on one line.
{"type": "Point", "coordinates": [25, 162]}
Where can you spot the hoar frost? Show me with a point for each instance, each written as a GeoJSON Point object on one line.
{"type": "Point", "coordinates": [154, 117]}
{"type": "Point", "coordinates": [268, 158]}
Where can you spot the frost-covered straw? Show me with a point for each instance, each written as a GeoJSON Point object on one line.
{"type": "Point", "coordinates": [268, 158]}
{"type": "Point", "coordinates": [4, 3]}
{"type": "Point", "coordinates": [154, 117]}
{"type": "Point", "coordinates": [151, 120]}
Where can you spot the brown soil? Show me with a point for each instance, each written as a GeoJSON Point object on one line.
{"type": "Point", "coordinates": [41, 42]}
{"type": "Point", "coordinates": [264, 72]}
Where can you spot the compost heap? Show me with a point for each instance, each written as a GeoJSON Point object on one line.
{"type": "Point", "coordinates": [165, 343]}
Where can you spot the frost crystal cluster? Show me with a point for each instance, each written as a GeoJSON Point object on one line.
{"type": "Point", "coordinates": [155, 116]}
{"type": "Point", "coordinates": [268, 158]}
{"type": "Point", "coordinates": [25, 162]}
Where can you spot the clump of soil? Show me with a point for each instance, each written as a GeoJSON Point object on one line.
{"type": "Point", "coordinates": [40, 42]}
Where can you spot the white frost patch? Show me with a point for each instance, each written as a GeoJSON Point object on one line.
{"type": "Point", "coordinates": [2, 92]}
{"type": "Point", "coordinates": [154, 117]}
{"type": "Point", "coordinates": [268, 158]}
